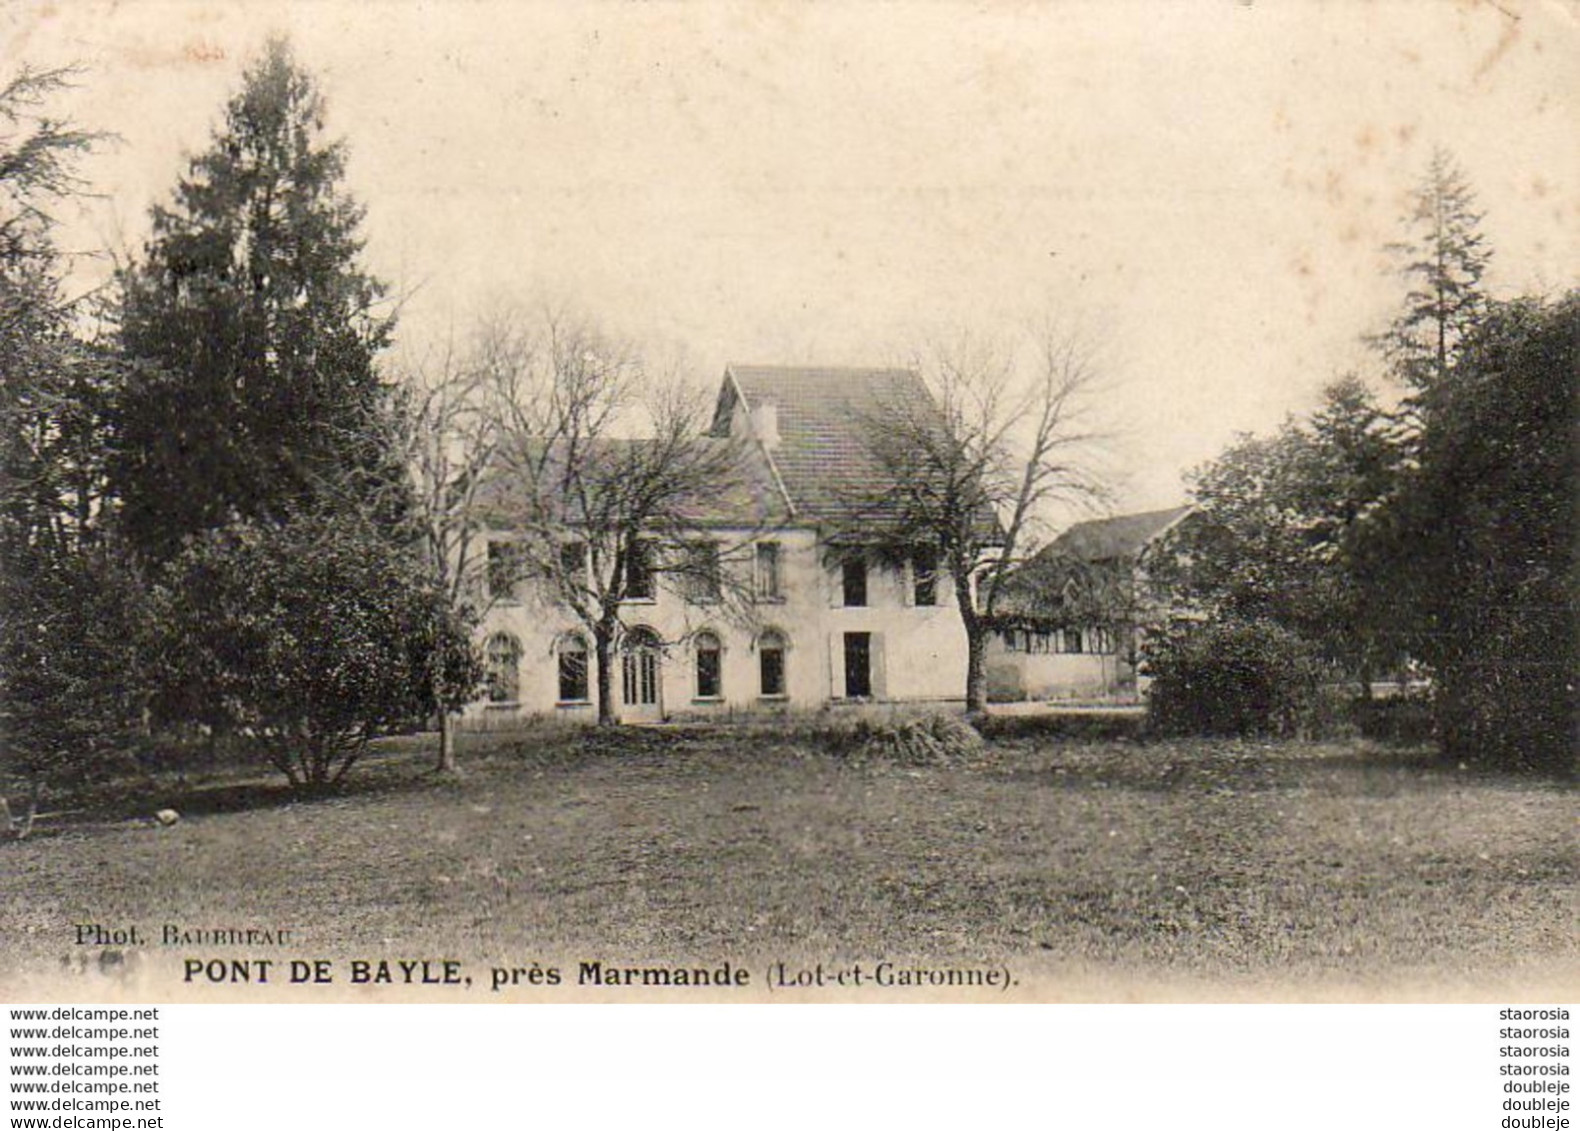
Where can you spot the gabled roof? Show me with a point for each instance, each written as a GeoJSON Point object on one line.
{"type": "Point", "coordinates": [821, 458]}
{"type": "Point", "coordinates": [1120, 538]}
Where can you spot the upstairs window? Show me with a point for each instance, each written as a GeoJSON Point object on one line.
{"type": "Point", "coordinates": [573, 670]}
{"type": "Point", "coordinates": [639, 572]}
{"type": "Point", "coordinates": [853, 576]}
{"type": "Point", "coordinates": [924, 577]}
{"type": "Point", "coordinates": [703, 581]}
{"type": "Point", "coordinates": [505, 567]}
{"type": "Point", "coordinates": [573, 562]}
{"type": "Point", "coordinates": [766, 578]}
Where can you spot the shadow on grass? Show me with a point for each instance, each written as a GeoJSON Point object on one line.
{"type": "Point", "coordinates": [1071, 726]}
{"type": "Point", "coordinates": [225, 786]}
{"type": "Point", "coordinates": [1200, 765]}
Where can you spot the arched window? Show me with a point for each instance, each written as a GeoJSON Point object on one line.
{"type": "Point", "coordinates": [573, 669]}
{"type": "Point", "coordinates": [710, 667]}
{"type": "Point", "coordinates": [771, 662]}
{"type": "Point", "coordinates": [639, 666]}
{"type": "Point", "coordinates": [502, 667]}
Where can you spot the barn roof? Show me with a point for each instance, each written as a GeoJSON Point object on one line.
{"type": "Point", "coordinates": [1122, 537]}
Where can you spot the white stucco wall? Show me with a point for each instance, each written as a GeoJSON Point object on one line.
{"type": "Point", "coordinates": [1021, 675]}
{"type": "Point", "coordinates": [917, 653]}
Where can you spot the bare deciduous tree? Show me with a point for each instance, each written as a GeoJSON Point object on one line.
{"type": "Point", "coordinates": [446, 432]}
{"type": "Point", "coordinates": [969, 475]}
{"type": "Point", "coordinates": [608, 483]}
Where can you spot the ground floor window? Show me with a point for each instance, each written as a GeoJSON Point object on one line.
{"type": "Point", "coordinates": [1102, 641]}
{"type": "Point", "coordinates": [858, 665]}
{"type": "Point", "coordinates": [1027, 640]}
{"type": "Point", "coordinates": [502, 668]}
{"type": "Point", "coordinates": [710, 682]}
{"type": "Point", "coordinates": [771, 662]}
{"type": "Point", "coordinates": [573, 670]}
{"type": "Point", "coordinates": [639, 668]}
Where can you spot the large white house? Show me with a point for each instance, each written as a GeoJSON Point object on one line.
{"type": "Point", "coordinates": [818, 624]}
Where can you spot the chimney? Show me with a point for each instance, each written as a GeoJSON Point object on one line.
{"type": "Point", "coordinates": [765, 423]}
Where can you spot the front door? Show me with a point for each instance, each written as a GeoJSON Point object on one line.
{"type": "Point", "coordinates": [639, 685]}
{"type": "Point", "coordinates": [858, 665]}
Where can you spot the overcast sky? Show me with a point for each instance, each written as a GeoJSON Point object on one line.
{"type": "Point", "coordinates": [1205, 187]}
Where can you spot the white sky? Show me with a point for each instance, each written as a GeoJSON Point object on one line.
{"type": "Point", "coordinates": [1205, 187]}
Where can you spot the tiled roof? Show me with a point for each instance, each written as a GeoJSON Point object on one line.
{"type": "Point", "coordinates": [1121, 537]}
{"type": "Point", "coordinates": [748, 496]}
{"type": "Point", "coordinates": [821, 456]}
{"type": "Point", "coordinates": [818, 470]}
{"type": "Point", "coordinates": [1095, 554]}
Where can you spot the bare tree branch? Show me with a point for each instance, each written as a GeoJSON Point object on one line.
{"type": "Point", "coordinates": [606, 482]}
{"type": "Point", "coordinates": [971, 473]}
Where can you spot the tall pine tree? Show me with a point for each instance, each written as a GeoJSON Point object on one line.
{"type": "Point", "coordinates": [70, 683]}
{"type": "Point", "coordinates": [1443, 256]}
{"type": "Point", "coordinates": [252, 328]}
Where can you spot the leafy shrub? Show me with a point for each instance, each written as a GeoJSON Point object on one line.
{"type": "Point", "coordinates": [305, 640]}
{"type": "Point", "coordinates": [1232, 677]}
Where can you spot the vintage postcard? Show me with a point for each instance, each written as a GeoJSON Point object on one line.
{"type": "Point", "coordinates": [762, 501]}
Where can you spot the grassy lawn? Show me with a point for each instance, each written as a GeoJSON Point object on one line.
{"type": "Point", "coordinates": [1229, 863]}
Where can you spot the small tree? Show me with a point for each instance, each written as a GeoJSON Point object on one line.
{"type": "Point", "coordinates": [606, 481]}
{"type": "Point", "coordinates": [968, 473]}
{"type": "Point", "coordinates": [308, 638]}
{"type": "Point", "coordinates": [446, 433]}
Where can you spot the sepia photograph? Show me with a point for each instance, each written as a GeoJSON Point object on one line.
{"type": "Point", "coordinates": [773, 502]}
